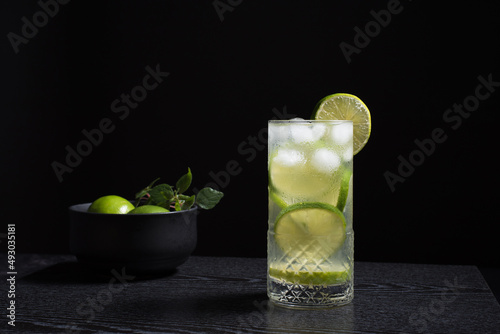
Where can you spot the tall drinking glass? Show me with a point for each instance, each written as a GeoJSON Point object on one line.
{"type": "Point", "coordinates": [310, 236]}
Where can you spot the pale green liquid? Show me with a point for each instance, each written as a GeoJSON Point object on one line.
{"type": "Point", "coordinates": [309, 273]}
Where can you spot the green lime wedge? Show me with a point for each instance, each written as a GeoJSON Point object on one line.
{"type": "Point", "coordinates": [331, 276]}
{"type": "Point", "coordinates": [343, 106]}
{"type": "Point", "coordinates": [310, 230]}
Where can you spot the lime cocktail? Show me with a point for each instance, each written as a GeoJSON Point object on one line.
{"type": "Point", "coordinates": [310, 237]}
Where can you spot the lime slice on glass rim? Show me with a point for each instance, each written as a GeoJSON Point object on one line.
{"type": "Point", "coordinates": [342, 106]}
{"type": "Point", "coordinates": [310, 231]}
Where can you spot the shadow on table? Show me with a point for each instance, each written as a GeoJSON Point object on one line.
{"type": "Point", "coordinates": [243, 312]}
{"type": "Point", "coordinates": [76, 272]}
{"type": "Point", "coordinates": [181, 308]}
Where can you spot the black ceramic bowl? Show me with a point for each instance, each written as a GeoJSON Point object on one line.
{"type": "Point", "coordinates": [148, 244]}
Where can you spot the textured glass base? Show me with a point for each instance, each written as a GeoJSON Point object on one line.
{"type": "Point", "coordinates": [309, 296]}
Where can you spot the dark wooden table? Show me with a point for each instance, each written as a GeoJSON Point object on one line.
{"type": "Point", "coordinates": [228, 295]}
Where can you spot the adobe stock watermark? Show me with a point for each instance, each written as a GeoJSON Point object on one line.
{"type": "Point", "coordinates": [256, 318]}
{"type": "Point", "coordinates": [223, 6]}
{"type": "Point", "coordinates": [373, 28]}
{"type": "Point", "coordinates": [29, 29]}
{"type": "Point", "coordinates": [247, 150]}
{"type": "Point", "coordinates": [453, 117]}
{"type": "Point", "coordinates": [263, 314]}
{"type": "Point", "coordinates": [103, 297]}
{"type": "Point", "coordinates": [426, 315]}
{"type": "Point", "coordinates": [121, 108]}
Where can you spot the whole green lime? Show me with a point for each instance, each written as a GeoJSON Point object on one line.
{"type": "Point", "coordinates": [111, 204]}
{"type": "Point", "coordinates": [148, 209]}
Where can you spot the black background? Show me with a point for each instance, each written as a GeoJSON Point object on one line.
{"type": "Point", "coordinates": [227, 78]}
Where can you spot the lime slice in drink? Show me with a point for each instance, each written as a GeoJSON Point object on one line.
{"type": "Point", "coordinates": [329, 276]}
{"type": "Point", "coordinates": [276, 199]}
{"type": "Point", "coordinates": [306, 175]}
{"type": "Point", "coordinates": [343, 106]}
{"type": "Point", "coordinates": [344, 189]}
{"type": "Point", "coordinates": [310, 231]}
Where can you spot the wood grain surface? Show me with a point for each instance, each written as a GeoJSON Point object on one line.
{"type": "Point", "coordinates": [54, 294]}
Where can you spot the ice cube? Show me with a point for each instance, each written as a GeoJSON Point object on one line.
{"type": "Point", "coordinates": [318, 131]}
{"type": "Point", "coordinates": [342, 133]}
{"type": "Point", "coordinates": [301, 133]}
{"type": "Point", "coordinates": [278, 133]}
{"type": "Point", "coordinates": [289, 157]}
{"type": "Point", "coordinates": [347, 154]}
{"type": "Point", "coordinates": [325, 160]}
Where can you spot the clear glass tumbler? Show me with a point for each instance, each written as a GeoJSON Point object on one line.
{"type": "Point", "coordinates": [310, 236]}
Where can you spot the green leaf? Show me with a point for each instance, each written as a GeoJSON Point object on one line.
{"type": "Point", "coordinates": [184, 182]}
{"type": "Point", "coordinates": [188, 202]}
{"type": "Point", "coordinates": [183, 197]}
{"type": "Point", "coordinates": [161, 194]}
{"type": "Point", "coordinates": [148, 201]}
{"type": "Point", "coordinates": [152, 183]}
{"type": "Point", "coordinates": [139, 195]}
{"type": "Point", "coordinates": [207, 198]}
{"type": "Point", "coordinates": [143, 193]}
{"type": "Point", "coordinates": [177, 206]}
